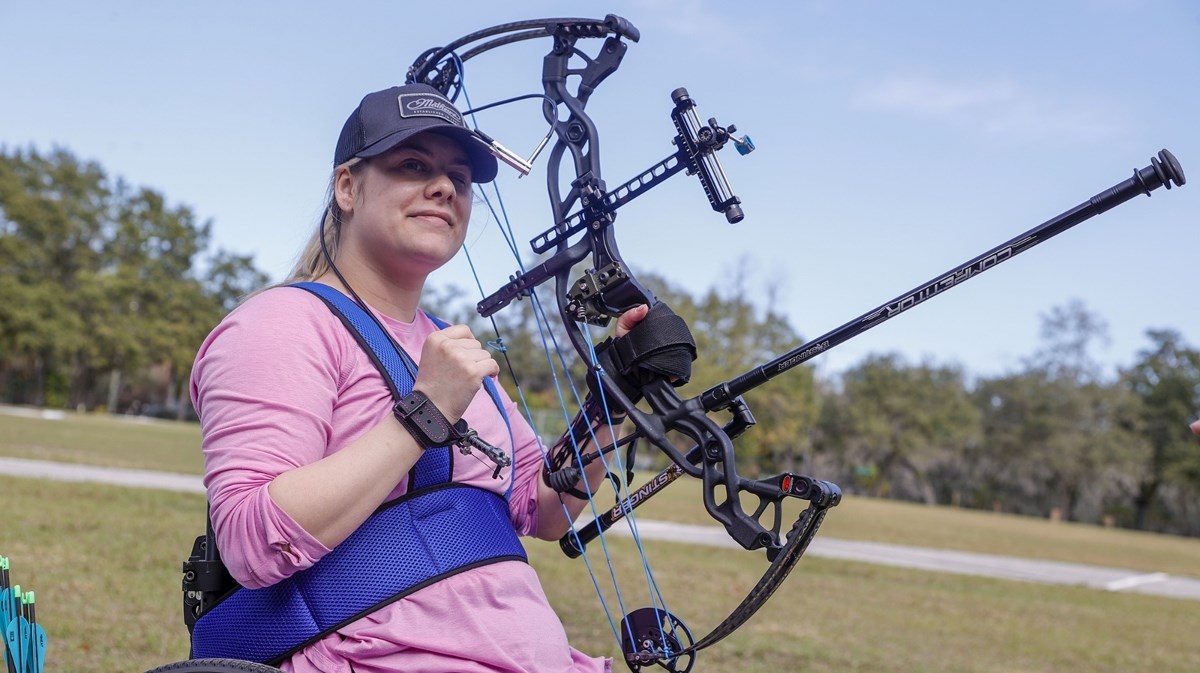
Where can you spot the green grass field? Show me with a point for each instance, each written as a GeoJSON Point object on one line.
{"type": "Point", "coordinates": [104, 562]}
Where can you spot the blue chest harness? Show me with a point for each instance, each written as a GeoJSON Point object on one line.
{"type": "Point", "coordinates": [436, 530]}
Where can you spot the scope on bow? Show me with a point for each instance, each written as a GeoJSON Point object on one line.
{"type": "Point", "coordinates": [700, 142]}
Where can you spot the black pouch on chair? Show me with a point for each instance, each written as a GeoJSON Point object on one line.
{"type": "Point", "coordinates": [205, 579]}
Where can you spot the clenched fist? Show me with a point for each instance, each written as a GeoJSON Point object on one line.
{"type": "Point", "coordinates": [453, 366]}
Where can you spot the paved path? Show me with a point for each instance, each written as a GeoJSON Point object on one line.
{"type": "Point", "coordinates": [41, 469]}
{"type": "Point", "coordinates": [966, 563]}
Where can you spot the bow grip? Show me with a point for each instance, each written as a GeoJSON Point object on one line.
{"type": "Point", "coordinates": [661, 346]}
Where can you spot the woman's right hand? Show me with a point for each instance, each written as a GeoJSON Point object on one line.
{"type": "Point", "coordinates": [453, 366]}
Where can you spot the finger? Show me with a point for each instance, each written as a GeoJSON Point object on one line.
{"type": "Point", "coordinates": [453, 342]}
{"type": "Point", "coordinates": [480, 363]}
{"type": "Point", "coordinates": [458, 346]}
{"type": "Point", "coordinates": [456, 332]}
{"type": "Point", "coordinates": [630, 318]}
{"type": "Point", "coordinates": [485, 363]}
{"type": "Point", "coordinates": [492, 368]}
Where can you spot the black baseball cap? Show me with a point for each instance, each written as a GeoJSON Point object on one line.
{"type": "Point", "coordinates": [384, 119]}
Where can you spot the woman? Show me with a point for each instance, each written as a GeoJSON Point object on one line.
{"type": "Point", "coordinates": [300, 442]}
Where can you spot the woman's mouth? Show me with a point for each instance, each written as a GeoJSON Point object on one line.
{"type": "Point", "coordinates": [434, 217]}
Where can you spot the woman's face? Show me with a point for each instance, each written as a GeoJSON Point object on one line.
{"type": "Point", "coordinates": [409, 211]}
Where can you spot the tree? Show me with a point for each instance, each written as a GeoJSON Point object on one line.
{"type": "Point", "coordinates": [100, 280]}
{"type": "Point", "coordinates": [1050, 444]}
{"type": "Point", "coordinates": [1051, 430]}
{"type": "Point", "coordinates": [230, 277]}
{"type": "Point", "coordinates": [899, 426]}
{"type": "Point", "coordinates": [1166, 380]}
{"type": "Point", "coordinates": [54, 210]}
{"type": "Point", "coordinates": [1068, 334]}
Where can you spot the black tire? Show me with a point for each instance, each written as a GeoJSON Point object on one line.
{"type": "Point", "coordinates": [215, 666]}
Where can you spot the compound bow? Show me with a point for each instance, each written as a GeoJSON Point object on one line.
{"type": "Point", "coordinates": [583, 234]}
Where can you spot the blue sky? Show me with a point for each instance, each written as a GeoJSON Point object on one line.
{"type": "Point", "coordinates": [895, 141]}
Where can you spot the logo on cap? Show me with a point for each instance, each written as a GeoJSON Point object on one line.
{"type": "Point", "coordinates": [425, 105]}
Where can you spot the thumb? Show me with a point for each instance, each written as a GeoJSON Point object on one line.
{"type": "Point", "coordinates": [631, 318]}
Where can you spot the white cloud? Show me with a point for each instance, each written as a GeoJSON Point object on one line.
{"type": "Point", "coordinates": [711, 27]}
{"type": "Point", "coordinates": [689, 18]}
{"type": "Point", "coordinates": [994, 107]}
{"type": "Point", "coordinates": [929, 98]}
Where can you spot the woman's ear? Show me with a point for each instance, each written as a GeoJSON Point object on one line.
{"type": "Point", "coordinates": [343, 189]}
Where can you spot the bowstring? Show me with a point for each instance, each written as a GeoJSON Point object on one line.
{"type": "Point", "coordinates": [539, 316]}
{"type": "Point", "coordinates": [504, 225]}
{"type": "Point", "coordinates": [658, 602]}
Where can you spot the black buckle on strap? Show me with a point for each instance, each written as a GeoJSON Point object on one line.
{"type": "Point", "coordinates": [425, 422]}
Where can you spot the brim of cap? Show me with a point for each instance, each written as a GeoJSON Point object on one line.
{"type": "Point", "coordinates": [483, 162]}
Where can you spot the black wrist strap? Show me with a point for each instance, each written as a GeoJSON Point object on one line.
{"type": "Point", "coordinates": [425, 422]}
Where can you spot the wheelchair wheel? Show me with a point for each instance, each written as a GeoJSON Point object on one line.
{"type": "Point", "coordinates": [215, 666]}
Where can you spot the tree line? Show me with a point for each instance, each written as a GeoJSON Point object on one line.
{"type": "Point", "coordinates": [109, 289]}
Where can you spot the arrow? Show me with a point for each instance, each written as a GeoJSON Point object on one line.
{"type": "Point", "coordinates": [36, 661]}
{"type": "Point", "coordinates": [16, 634]}
{"type": "Point", "coordinates": [6, 612]}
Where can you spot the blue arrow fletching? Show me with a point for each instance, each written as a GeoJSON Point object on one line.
{"type": "Point", "coordinates": [38, 658]}
{"type": "Point", "coordinates": [5, 609]}
{"type": "Point", "coordinates": [17, 646]}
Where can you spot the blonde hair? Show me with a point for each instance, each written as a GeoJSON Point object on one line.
{"type": "Point", "coordinates": [312, 262]}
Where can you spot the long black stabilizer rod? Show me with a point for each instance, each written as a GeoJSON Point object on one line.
{"type": "Point", "coordinates": [1162, 171]}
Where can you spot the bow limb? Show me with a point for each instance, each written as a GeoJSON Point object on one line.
{"type": "Point", "coordinates": [653, 636]}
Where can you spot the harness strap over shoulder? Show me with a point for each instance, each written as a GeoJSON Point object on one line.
{"type": "Point", "coordinates": [437, 530]}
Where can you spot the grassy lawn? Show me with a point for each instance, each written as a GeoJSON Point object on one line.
{"type": "Point", "coordinates": [112, 441]}
{"type": "Point", "coordinates": [104, 562]}
{"type": "Point", "coordinates": [874, 520]}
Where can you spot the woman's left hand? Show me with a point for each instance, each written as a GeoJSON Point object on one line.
{"type": "Point", "coordinates": [631, 318]}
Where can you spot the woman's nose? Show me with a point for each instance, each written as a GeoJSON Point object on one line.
{"type": "Point", "coordinates": [441, 187]}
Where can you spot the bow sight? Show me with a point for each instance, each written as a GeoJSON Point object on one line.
{"type": "Point", "coordinates": [582, 231]}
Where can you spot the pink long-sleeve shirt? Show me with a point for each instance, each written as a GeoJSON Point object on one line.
{"type": "Point", "coordinates": [281, 383]}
